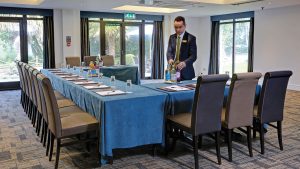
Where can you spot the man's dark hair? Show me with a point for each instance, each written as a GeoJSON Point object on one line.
{"type": "Point", "coordinates": [179, 19]}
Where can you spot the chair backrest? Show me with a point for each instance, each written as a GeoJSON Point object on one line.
{"type": "Point", "coordinates": [25, 83]}
{"type": "Point", "coordinates": [73, 61]}
{"type": "Point", "coordinates": [37, 90]}
{"type": "Point", "coordinates": [27, 76]}
{"type": "Point", "coordinates": [272, 96]}
{"type": "Point", "coordinates": [51, 107]}
{"type": "Point", "coordinates": [42, 96]}
{"type": "Point", "coordinates": [108, 60]}
{"type": "Point", "coordinates": [20, 74]}
{"type": "Point", "coordinates": [240, 102]}
{"type": "Point", "coordinates": [88, 59]}
{"type": "Point", "coordinates": [208, 103]}
{"type": "Point", "coordinates": [31, 77]}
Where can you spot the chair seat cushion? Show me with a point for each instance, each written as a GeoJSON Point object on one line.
{"type": "Point", "coordinates": [78, 123]}
{"type": "Point", "coordinates": [64, 103]}
{"type": "Point", "coordinates": [183, 119]}
{"type": "Point", "coordinates": [58, 95]}
{"type": "Point", "coordinates": [67, 111]}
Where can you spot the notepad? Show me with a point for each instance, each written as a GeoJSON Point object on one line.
{"type": "Point", "coordinates": [85, 82]}
{"type": "Point", "coordinates": [192, 85]}
{"type": "Point", "coordinates": [71, 79]}
{"type": "Point", "coordinates": [97, 87]}
{"type": "Point", "coordinates": [65, 76]}
{"type": "Point", "coordinates": [111, 93]}
{"type": "Point", "coordinates": [175, 88]}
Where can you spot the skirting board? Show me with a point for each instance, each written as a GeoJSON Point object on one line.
{"type": "Point", "coordinates": [294, 87]}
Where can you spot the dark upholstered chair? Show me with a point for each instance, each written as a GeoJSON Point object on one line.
{"type": "Point", "coordinates": [73, 61]}
{"type": "Point", "coordinates": [206, 113]}
{"type": "Point", "coordinates": [88, 59]}
{"type": "Point", "coordinates": [72, 122]}
{"type": "Point", "coordinates": [271, 104]}
{"type": "Point", "coordinates": [239, 108]}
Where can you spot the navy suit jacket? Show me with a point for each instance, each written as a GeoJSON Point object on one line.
{"type": "Point", "coordinates": [188, 54]}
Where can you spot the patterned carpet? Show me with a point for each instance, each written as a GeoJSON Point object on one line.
{"type": "Point", "coordinates": [20, 147]}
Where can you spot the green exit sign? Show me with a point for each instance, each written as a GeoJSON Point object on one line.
{"type": "Point", "coordinates": [129, 16]}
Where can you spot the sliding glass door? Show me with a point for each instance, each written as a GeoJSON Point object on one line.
{"type": "Point", "coordinates": [132, 45]}
{"type": "Point", "coordinates": [10, 50]}
{"type": "Point", "coordinates": [21, 38]}
{"type": "Point", "coordinates": [129, 41]}
{"type": "Point", "coordinates": [113, 41]}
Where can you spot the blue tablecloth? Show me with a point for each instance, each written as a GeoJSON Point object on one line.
{"type": "Point", "coordinates": [122, 73]}
{"type": "Point", "coordinates": [125, 120]}
{"type": "Point", "coordinates": [182, 102]}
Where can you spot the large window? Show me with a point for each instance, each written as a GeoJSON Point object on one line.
{"type": "Point", "coordinates": [129, 41]}
{"type": "Point", "coordinates": [94, 37]}
{"type": "Point", "coordinates": [21, 38]}
{"type": "Point", "coordinates": [35, 42]}
{"type": "Point", "coordinates": [234, 36]}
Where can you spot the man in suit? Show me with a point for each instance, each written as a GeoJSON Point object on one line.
{"type": "Point", "coordinates": [182, 49]}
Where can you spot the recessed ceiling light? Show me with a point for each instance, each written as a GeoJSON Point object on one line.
{"type": "Point", "coordinates": [24, 2]}
{"type": "Point", "coordinates": [220, 2]}
{"type": "Point", "coordinates": [148, 9]}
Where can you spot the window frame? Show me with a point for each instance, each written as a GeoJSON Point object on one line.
{"type": "Point", "coordinates": [234, 22]}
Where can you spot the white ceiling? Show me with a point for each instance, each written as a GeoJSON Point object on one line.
{"type": "Point", "coordinates": [194, 9]}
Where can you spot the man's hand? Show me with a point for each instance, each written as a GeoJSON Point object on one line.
{"type": "Point", "coordinates": [171, 61]}
{"type": "Point", "coordinates": [181, 65]}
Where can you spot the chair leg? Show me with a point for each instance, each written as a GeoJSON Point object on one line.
{"type": "Point", "coordinates": [279, 132]}
{"type": "Point", "coordinates": [217, 137]}
{"type": "Point", "coordinates": [154, 150]}
{"type": "Point", "coordinates": [43, 130]}
{"type": "Point", "coordinates": [37, 124]}
{"type": "Point", "coordinates": [97, 145]}
{"type": "Point", "coordinates": [57, 153]}
{"type": "Point", "coordinates": [166, 139]}
{"type": "Point", "coordinates": [229, 140]}
{"type": "Point", "coordinates": [254, 130]}
{"type": "Point", "coordinates": [51, 145]}
{"type": "Point", "coordinates": [262, 139]}
{"type": "Point", "coordinates": [48, 143]}
{"type": "Point", "coordinates": [200, 142]}
{"type": "Point", "coordinates": [87, 144]}
{"type": "Point", "coordinates": [45, 134]}
{"type": "Point", "coordinates": [195, 141]}
{"type": "Point", "coordinates": [249, 141]}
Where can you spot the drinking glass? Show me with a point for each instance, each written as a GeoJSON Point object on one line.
{"type": "Point", "coordinates": [68, 68]}
{"type": "Point", "coordinates": [128, 86]}
{"type": "Point", "coordinates": [113, 82]}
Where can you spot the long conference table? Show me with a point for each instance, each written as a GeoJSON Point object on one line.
{"type": "Point", "coordinates": [126, 121]}
{"type": "Point", "coordinates": [129, 120]}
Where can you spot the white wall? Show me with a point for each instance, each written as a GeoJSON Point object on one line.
{"type": "Point", "coordinates": [199, 27]}
{"type": "Point", "coordinates": [277, 42]}
{"type": "Point", "coordinates": [66, 23]}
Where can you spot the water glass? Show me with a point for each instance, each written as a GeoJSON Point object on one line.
{"type": "Point", "coordinates": [227, 73]}
{"type": "Point", "coordinates": [68, 68]}
{"type": "Point", "coordinates": [100, 75]}
{"type": "Point", "coordinates": [82, 64]}
{"type": "Point", "coordinates": [113, 82]}
{"type": "Point", "coordinates": [128, 86]}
